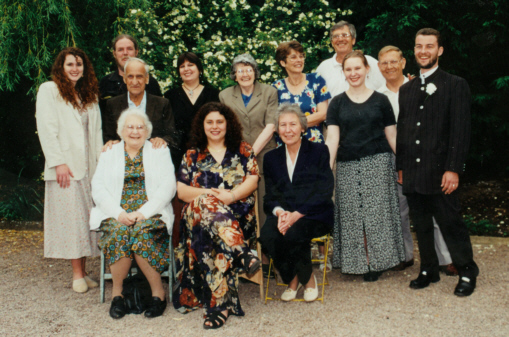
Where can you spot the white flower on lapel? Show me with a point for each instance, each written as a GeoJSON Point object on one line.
{"type": "Point", "coordinates": [431, 88]}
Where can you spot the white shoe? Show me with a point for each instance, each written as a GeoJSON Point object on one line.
{"type": "Point", "coordinates": [80, 285]}
{"type": "Point", "coordinates": [322, 265]}
{"type": "Point", "coordinates": [311, 294]}
{"type": "Point", "coordinates": [91, 283]}
{"type": "Point", "coordinates": [290, 294]}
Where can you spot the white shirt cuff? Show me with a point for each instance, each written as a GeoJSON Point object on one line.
{"type": "Point", "coordinates": [277, 208]}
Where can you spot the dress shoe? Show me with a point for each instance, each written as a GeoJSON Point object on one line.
{"type": "Point", "coordinates": [372, 276]}
{"type": "Point", "coordinates": [311, 294]}
{"type": "Point", "coordinates": [91, 283]}
{"type": "Point", "coordinates": [403, 265]}
{"type": "Point", "coordinates": [156, 308]}
{"type": "Point", "coordinates": [290, 294]}
{"type": "Point", "coordinates": [80, 285]}
{"type": "Point", "coordinates": [449, 270]}
{"type": "Point", "coordinates": [424, 279]}
{"type": "Point", "coordinates": [465, 287]}
{"type": "Point", "coordinates": [117, 309]}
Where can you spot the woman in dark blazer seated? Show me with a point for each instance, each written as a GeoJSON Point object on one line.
{"type": "Point", "coordinates": [298, 202]}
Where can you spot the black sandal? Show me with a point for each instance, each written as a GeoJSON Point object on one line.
{"type": "Point", "coordinates": [216, 318]}
{"type": "Point", "coordinates": [247, 258]}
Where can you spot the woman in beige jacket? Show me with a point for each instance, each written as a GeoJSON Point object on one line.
{"type": "Point", "coordinates": [69, 129]}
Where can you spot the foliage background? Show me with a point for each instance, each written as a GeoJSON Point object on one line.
{"type": "Point", "coordinates": [32, 32]}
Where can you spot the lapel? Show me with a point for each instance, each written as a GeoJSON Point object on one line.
{"type": "Point", "coordinates": [149, 109]}
{"type": "Point", "coordinates": [301, 159]}
{"type": "Point", "coordinates": [280, 164]}
{"type": "Point", "coordinates": [238, 101]}
{"type": "Point", "coordinates": [255, 99]}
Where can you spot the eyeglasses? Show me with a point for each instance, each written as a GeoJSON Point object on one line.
{"type": "Point", "coordinates": [339, 36]}
{"type": "Point", "coordinates": [131, 127]}
{"type": "Point", "coordinates": [244, 71]}
{"type": "Point", "coordinates": [393, 63]}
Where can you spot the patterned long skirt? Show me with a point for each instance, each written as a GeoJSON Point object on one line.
{"type": "Point", "coordinates": [208, 257]}
{"type": "Point", "coordinates": [148, 239]}
{"type": "Point", "coordinates": [367, 206]}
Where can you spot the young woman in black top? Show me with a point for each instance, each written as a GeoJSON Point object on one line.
{"type": "Point", "coordinates": [367, 226]}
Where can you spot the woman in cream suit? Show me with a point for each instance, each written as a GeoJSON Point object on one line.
{"type": "Point", "coordinates": [255, 105]}
{"type": "Point", "coordinates": [69, 129]}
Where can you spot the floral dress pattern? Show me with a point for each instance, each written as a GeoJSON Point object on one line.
{"type": "Point", "coordinates": [314, 92]}
{"type": "Point", "coordinates": [213, 234]}
{"type": "Point", "coordinates": [148, 239]}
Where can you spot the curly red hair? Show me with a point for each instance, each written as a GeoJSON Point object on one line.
{"type": "Point", "coordinates": [87, 86]}
{"type": "Point", "coordinates": [233, 137]}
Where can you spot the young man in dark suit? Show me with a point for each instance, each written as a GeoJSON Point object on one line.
{"type": "Point", "coordinates": [432, 145]}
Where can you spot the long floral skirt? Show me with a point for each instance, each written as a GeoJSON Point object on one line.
{"type": "Point", "coordinates": [208, 257]}
{"type": "Point", "coordinates": [367, 206]}
{"type": "Point", "coordinates": [148, 239]}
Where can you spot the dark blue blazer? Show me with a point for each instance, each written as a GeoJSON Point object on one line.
{"type": "Point", "coordinates": [310, 193]}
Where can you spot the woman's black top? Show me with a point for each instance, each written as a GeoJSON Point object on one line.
{"type": "Point", "coordinates": [361, 125]}
{"type": "Point", "coordinates": [184, 112]}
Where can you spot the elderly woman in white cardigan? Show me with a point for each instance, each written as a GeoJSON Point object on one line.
{"type": "Point", "coordinates": [132, 190]}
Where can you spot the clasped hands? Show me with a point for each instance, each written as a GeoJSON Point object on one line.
{"type": "Point", "coordinates": [225, 195]}
{"type": "Point", "coordinates": [286, 219]}
{"type": "Point", "coordinates": [130, 219]}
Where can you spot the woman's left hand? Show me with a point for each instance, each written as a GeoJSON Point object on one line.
{"type": "Point", "coordinates": [287, 220]}
{"type": "Point", "coordinates": [226, 196]}
{"type": "Point", "coordinates": [158, 142]}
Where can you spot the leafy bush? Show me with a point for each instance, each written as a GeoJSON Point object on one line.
{"type": "Point", "coordinates": [221, 30]}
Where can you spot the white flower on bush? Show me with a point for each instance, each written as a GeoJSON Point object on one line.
{"type": "Point", "coordinates": [431, 88]}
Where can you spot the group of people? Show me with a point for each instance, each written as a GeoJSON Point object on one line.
{"type": "Point", "coordinates": [125, 168]}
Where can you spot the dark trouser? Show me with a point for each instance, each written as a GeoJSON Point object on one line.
{"type": "Point", "coordinates": [445, 209]}
{"type": "Point", "coordinates": [292, 252]}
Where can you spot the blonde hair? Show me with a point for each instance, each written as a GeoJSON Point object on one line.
{"type": "Point", "coordinates": [387, 49]}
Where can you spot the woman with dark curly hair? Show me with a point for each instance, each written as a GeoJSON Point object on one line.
{"type": "Point", "coordinates": [69, 129]}
{"type": "Point", "coordinates": [216, 180]}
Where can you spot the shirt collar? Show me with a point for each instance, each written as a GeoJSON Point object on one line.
{"type": "Point", "coordinates": [427, 74]}
{"type": "Point", "coordinates": [143, 104]}
{"type": "Point", "coordinates": [383, 89]}
{"type": "Point", "coordinates": [336, 63]}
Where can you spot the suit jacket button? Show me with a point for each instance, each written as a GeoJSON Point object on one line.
{"type": "Point", "coordinates": [422, 107]}
{"type": "Point", "coordinates": [417, 142]}
{"type": "Point", "coordinates": [418, 160]}
{"type": "Point", "coordinates": [418, 123]}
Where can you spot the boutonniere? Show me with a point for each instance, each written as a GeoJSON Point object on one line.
{"type": "Point", "coordinates": [430, 89]}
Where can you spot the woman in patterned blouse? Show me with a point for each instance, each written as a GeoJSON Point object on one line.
{"type": "Point", "coordinates": [308, 91]}
{"type": "Point", "coordinates": [216, 180]}
{"type": "Point", "coordinates": [132, 189]}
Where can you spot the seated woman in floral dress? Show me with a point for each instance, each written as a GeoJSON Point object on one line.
{"type": "Point", "coordinates": [132, 189]}
{"type": "Point", "coordinates": [216, 180]}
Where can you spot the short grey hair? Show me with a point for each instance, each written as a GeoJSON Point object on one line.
{"type": "Point", "coordinates": [135, 59]}
{"type": "Point", "coordinates": [133, 112]}
{"type": "Point", "coordinates": [289, 108]}
{"type": "Point", "coordinates": [341, 24]}
{"type": "Point", "coordinates": [245, 59]}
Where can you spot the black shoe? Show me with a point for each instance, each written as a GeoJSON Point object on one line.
{"type": "Point", "coordinates": [424, 279]}
{"type": "Point", "coordinates": [465, 287]}
{"type": "Point", "coordinates": [156, 308]}
{"type": "Point", "coordinates": [403, 265]}
{"type": "Point", "coordinates": [117, 309]}
{"type": "Point", "coordinates": [250, 262]}
{"type": "Point", "coordinates": [372, 276]}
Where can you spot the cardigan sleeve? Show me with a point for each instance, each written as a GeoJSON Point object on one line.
{"type": "Point", "coordinates": [47, 123]}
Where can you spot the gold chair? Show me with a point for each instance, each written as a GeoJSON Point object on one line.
{"type": "Point", "coordinates": [325, 280]}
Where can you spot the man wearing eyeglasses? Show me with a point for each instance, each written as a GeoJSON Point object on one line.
{"type": "Point", "coordinates": [431, 147]}
{"type": "Point", "coordinates": [158, 109]}
{"type": "Point", "coordinates": [343, 35]}
{"type": "Point", "coordinates": [391, 64]}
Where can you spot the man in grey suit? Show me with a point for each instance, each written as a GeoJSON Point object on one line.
{"type": "Point", "coordinates": [432, 145]}
{"type": "Point", "coordinates": [158, 109]}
